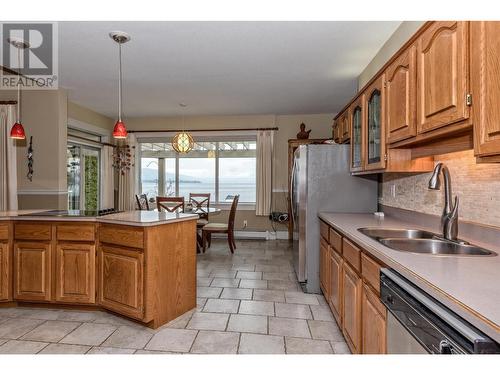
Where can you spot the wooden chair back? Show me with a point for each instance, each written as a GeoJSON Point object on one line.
{"type": "Point", "coordinates": [201, 204]}
{"type": "Point", "coordinates": [170, 204]}
{"type": "Point", "coordinates": [142, 202]}
{"type": "Point", "coordinates": [232, 213]}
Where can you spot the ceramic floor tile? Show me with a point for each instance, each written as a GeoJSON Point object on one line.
{"type": "Point", "coordinates": [129, 338]}
{"type": "Point", "coordinates": [243, 267]}
{"type": "Point", "coordinates": [269, 295]}
{"type": "Point", "coordinates": [307, 346]}
{"type": "Point", "coordinates": [142, 351]}
{"type": "Point", "coordinates": [208, 342]}
{"type": "Point", "coordinates": [208, 321]}
{"type": "Point", "coordinates": [10, 312]}
{"type": "Point", "coordinates": [225, 283]}
{"type": "Point", "coordinates": [257, 308]}
{"type": "Point", "coordinates": [81, 316]}
{"type": "Point", "coordinates": [224, 274]}
{"type": "Point", "coordinates": [247, 323]}
{"type": "Point", "coordinates": [261, 344]}
{"type": "Point", "coordinates": [17, 327]}
{"type": "Point", "coordinates": [51, 331]}
{"type": "Point", "coordinates": [207, 292]}
{"type": "Point", "coordinates": [283, 285]}
{"type": "Point", "coordinates": [111, 319]}
{"type": "Point", "coordinates": [292, 310]}
{"type": "Point", "coordinates": [22, 347]}
{"type": "Point", "coordinates": [322, 313]}
{"type": "Point", "coordinates": [289, 327]}
{"type": "Point", "coordinates": [325, 330]}
{"type": "Point", "coordinates": [65, 349]}
{"type": "Point", "coordinates": [299, 297]}
{"type": "Point", "coordinates": [340, 348]}
{"type": "Point", "coordinates": [275, 276]}
{"type": "Point", "coordinates": [267, 268]}
{"type": "Point", "coordinates": [203, 281]}
{"type": "Point", "coordinates": [222, 306]}
{"type": "Point", "coordinates": [89, 334]}
{"type": "Point", "coordinates": [170, 339]}
{"type": "Point", "coordinates": [256, 284]}
{"type": "Point", "coordinates": [181, 321]}
{"type": "Point", "coordinates": [107, 350]}
{"type": "Point", "coordinates": [41, 313]}
{"type": "Point", "coordinates": [237, 293]}
{"type": "Point", "coordinates": [249, 275]}
{"type": "Point", "coordinates": [200, 303]}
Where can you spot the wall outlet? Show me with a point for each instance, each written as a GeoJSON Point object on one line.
{"type": "Point", "coordinates": [393, 191]}
{"type": "Point", "coordinates": [245, 223]}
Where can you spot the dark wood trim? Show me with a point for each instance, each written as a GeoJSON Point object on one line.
{"type": "Point", "coordinates": [91, 140]}
{"type": "Point", "coordinates": [199, 130]}
{"type": "Point", "coordinates": [8, 102]}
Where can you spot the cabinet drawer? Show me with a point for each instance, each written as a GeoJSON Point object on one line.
{"type": "Point", "coordinates": [73, 232]}
{"type": "Point", "coordinates": [323, 230]}
{"type": "Point", "coordinates": [352, 254]}
{"type": "Point", "coordinates": [370, 270]}
{"type": "Point", "coordinates": [29, 231]}
{"type": "Point", "coordinates": [4, 232]}
{"type": "Point", "coordinates": [336, 241]}
{"type": "Point", "coordinates": [122, 235]}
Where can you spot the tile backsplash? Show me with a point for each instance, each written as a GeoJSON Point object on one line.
{"type": "Point", "coordinates": [477, 185]}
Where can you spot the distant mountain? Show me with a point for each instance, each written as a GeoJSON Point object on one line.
{"type": "Point", "coordinates": [150, 175]}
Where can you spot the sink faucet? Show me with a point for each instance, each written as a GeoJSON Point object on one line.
{"type": "Point", "coordinates": [449, 218]}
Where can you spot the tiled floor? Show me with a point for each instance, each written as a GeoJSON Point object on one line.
{"type": "Point", "coordinates": [248, 303]}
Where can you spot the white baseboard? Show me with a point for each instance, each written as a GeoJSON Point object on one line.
{"type": "Point", "coordinates": [267, 235]}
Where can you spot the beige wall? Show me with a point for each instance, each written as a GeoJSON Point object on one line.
{"type": "Point", "coordinates": [83, 114]}
{"type": "Point", "coordinates": [402, 34]}
{"type": "Point", "coordinates": [288, 128]}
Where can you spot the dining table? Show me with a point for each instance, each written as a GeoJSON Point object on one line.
{"type": "Point", "coordinates": [201, 212]}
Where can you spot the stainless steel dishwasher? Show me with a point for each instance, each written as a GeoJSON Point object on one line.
{"type": "Point", "coordinates": [417, 323]}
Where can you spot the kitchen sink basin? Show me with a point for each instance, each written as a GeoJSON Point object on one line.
{"type": "Point", "coordinates": [379, 233]}
{"type": "Point", "coordinates": [434, 247]}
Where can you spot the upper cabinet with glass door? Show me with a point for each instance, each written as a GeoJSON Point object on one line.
{"type": "Point", "coordinates": [356, 115]}
{"type": "Point", "coordinates": [374, 148]}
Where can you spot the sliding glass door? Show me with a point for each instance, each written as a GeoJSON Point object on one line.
{"type": "Point", "coordinates": [83, 171]}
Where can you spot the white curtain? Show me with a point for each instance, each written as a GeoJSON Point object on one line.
{"type": "Point", "coordinates": [8, 167]}
{"type": "Point", "coordinates": [128, 183]}
{"type": "Point", "coordinates": [107, 178]}
{"type": "Point", "coordinates": [264, 172]}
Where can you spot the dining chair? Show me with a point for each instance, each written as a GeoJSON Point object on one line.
{"type": "Point", "coordinates": [201, 206]}
{"type": "Point", "coordinates": [207, 230]}
{"type": "Point", "coordinates": [170, 204]}
{"type": "Point", "coordinates": [142, 202]}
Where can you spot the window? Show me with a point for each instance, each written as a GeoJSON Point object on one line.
{"type": "Point", "coordinates": [221, 167]}
{"type": "Point", "coordinates": [83, 172]}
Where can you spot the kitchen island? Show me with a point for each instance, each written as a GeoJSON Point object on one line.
{"type": "Point", "coordinates": [139, 264]}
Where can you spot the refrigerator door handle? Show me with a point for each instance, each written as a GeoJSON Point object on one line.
{"type": "Point", "coordinates": [292, 180]}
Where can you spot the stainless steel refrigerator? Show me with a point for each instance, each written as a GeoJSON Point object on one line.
{"type": "Point", "coordinates": [321, 182]}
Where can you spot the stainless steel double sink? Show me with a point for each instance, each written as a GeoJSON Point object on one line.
{"type": "Point", "coordinates": [423, 242]}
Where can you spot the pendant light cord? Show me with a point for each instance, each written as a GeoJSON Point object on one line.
{"type": "Point", "coordinates": [120, 82]}
{"type": "Point", "coordinates": [18, 85]}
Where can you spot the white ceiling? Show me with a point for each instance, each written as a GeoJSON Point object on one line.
{"type": "Point", "coordinates": [218, 68]}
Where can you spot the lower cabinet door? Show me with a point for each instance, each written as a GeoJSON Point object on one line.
{"type": "Point", "coordinates": [335, 300]}
{"type": "Point", "coordinates": [121, 280]}
{"type": "Point", "coordinates": [351, 318]}
{"type": "Point", "coordinates": [373, 322]}
{"type": "Point", "coordinates": [4, 271]}
{"type": "Point", "coordinates": [75, 280]}
{"type": "Point", "coordinates": [32, 271]}
{"type": "Point", "coordinates": [322, 261]}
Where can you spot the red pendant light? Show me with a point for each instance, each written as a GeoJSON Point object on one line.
{"type": "Point", "coordinates": [120, 130]}
{"type": "Point", "coordinates": [17, 131]}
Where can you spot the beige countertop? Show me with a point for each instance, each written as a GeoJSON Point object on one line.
{"type": "Point", "coordinates": [133, 218]}
{"type": "Point", "coordinates": [470, 286]}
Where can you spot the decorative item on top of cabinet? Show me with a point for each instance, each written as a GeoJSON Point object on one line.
{"type": "Point", "coordinates": [400, 94]}
{"type": "Point", "coordinates": [443, 75]}
{"type": "Point", "coordinates": [357, 130]}
{"type": "Point", "coordinates": [303, 133]}
{"type": "Point", "coordinates": [375, 155]}
{"type": "Point", "coordinates": [485, 85]}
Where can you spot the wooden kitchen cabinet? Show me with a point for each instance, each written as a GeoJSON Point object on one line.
{"type": "Point", "coordinates": [374, 145]}
{"type": "Point", "coordinates": [335, 296]}
{"type": "Point", "coordinates": [75, 278]}
{"type": "Point", "coordinates": [32, 271]}
{"type": "Point", "coordinates": [400, 97]}
{"type": "Point", "coordinates": [443, 75]}
{"type": "Point", "coordinates": [324, 267]}
{"type": "Point", "coordinates": [485, 85]}
{"type": "Point", "coordinates": [373, 323]}
{"type": "Point", "coordinates": [351, 316]}
{"type": "Point", "coordinates": [121, 280]}
{"type": "Point", "coordinates": [357, 137]}
{"type": "Point", "coordinates": [4, 271]}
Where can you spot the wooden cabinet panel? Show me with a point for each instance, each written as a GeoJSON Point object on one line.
{"type": "Point", "coordinates": [400, 97]}
{"type": "Point", "coordinates": [323, 266]}
{"type": "Point", "coordinates": [335, 241]}
{"type": "Point", "coordinates": [373, 323]}
{"type": "Point", "coordinates": [122, 235]}
{"type": "Point", "coordinates": [370, 270]}
{"type": "Point", "coordinates": [4, 272]}
{"type": "Point", "coordinates": [32, 271]}
{"type": "Point", "coordinates": [485, 69]}
{"type": "Point", "coordinates": [374, 144]}
{"type": "Point", "coordinates": [351, 316]}
{"type": "Point", "coordinates": [4, 231]}
{"type": "Point", "coordinates": [121, 280]}
{"type": "Point", "coordinates": [352, 254]}
{"type": "Point", "coordinates": [76, 232]}
{"type": "Point", "coordinates": [336, 130]}
{"type": "Point", "coordinates": [335, 297]}
{"type": "Point", "coordinates": [29, 231]}
{"type": "Point", "coordinates": [442, 63]}
{"type": "Point", "coordinates": [324, 230]}
{"type": "Point", "coordinates": [75, 280]}
{"type": "Point", "coordinates": [344, 127]}
{"type": "Point", "coordinates": [356, 119]}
